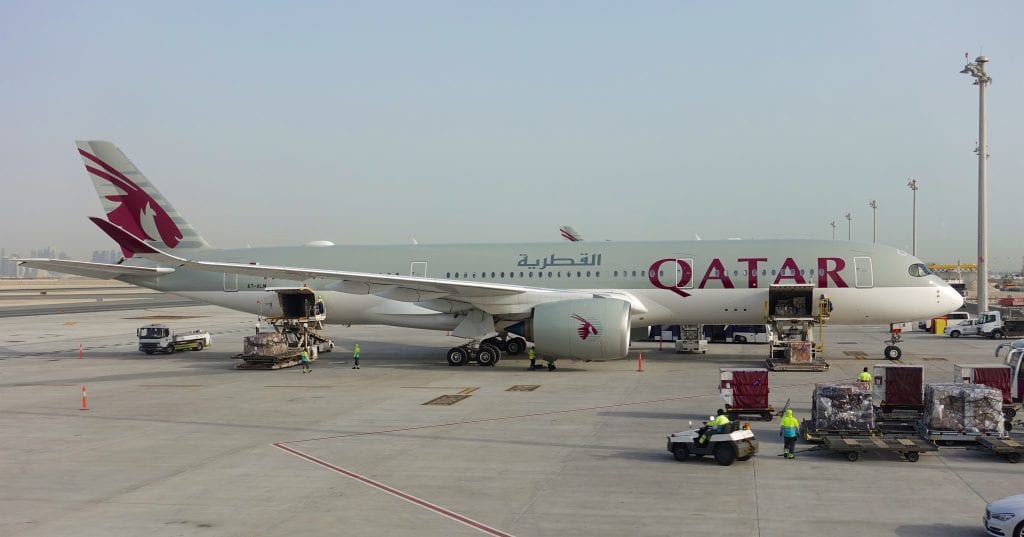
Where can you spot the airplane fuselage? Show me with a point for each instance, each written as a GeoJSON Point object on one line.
{"type": "Point", "coordinates": [677, 282]}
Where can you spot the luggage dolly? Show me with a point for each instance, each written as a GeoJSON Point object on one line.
{"type": "Point", "coordinates": [853, 446]}
{"type": "Point", "coordinates": [1008, 448]}
{"type": "Point", "coordinates": [767, 413]}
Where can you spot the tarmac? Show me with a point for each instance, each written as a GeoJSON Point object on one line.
{"type": "Point", "coordinates": [185, 444]}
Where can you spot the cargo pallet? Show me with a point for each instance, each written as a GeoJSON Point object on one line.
{"type": "Point", "coordinates": [816, 436]}
{"type": "Point", "coordinates": [852, 446]}
{"type": "Point", "coordinates": [280, 361]}
{"type": "Point", "coordinates": [816, 364]}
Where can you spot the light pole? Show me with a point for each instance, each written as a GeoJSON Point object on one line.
{"type": "Point", "coordinates": [874, 227]}
{"type": "Point", "coordinates": [981, 79]}
{"type": "Point", "coordinates": [913, 218]}
{"type": "Point", "coordinates": [833, 224]}
{"type": "Point", "coordinates": [849, 227]}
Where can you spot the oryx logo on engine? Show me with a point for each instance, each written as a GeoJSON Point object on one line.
{"type": "Point", "coordinates": [586, 328]}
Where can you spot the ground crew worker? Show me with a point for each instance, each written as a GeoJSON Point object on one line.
{"type": "Point", "coordinates": [864, 376]}
{"type": "Point", "coordinates": [718, 423]}
{"type": "Point", "coordinates": [355, 357]}
{"type": "Point", "coordinates": [304, 358]}
{"type": "Point", "coordinates": [533, 359]}
{"type": "Point", "coordinates": [789, 429]}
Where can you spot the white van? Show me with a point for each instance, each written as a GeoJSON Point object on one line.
{"type": "Point", "coordinates": [953, 318]}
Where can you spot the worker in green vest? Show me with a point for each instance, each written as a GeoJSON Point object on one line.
{"type": "Point", "coordinates": [789, 428]}
{"type": "Point", "coordinates": [864, 376]}
{"type": "Point", "coordinates": [355, 357]}
{"type": "Point", "coordinates": [533, 358]}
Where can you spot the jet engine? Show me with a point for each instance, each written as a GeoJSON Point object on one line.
{"type": "Point", "coordinates": [584, 329]}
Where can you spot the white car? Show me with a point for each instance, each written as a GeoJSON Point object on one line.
{"type": "Point", "coordinates": [1005, 517]}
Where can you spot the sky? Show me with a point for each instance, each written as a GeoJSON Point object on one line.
{"type": "Point", "coordinates": [273, 123]}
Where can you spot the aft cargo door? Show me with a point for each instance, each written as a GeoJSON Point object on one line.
{"type": "Point", "coordinates": [418, 269]}
{"type": "Point", "coordinates": [230, 282]}
{"type": "Point", "coordinates": [862, 274]}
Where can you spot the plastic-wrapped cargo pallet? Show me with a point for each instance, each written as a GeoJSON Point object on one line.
{"type": "Point", "coordinates": [265, 344]}
{"type": "Point", "coordinates": [842, 407]}
{"type": "Point", "coordinates": [963, 408]}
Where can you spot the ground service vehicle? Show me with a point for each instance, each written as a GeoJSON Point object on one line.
{"type": "Point", "coordinates": [1005, 516]}
{"type": "Point", "coordinates": [1000, 324]}
{"type": "Point", "coordinates": [162, 338]}
{"type": "Point", "coordinates": [964, 328]}
{"type": "Point", "coordinates": [737, 444]}
{"type": "Point", "coordinates": [953, 318]}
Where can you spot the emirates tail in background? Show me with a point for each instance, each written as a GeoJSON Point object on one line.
{"type": "Point", "coordinates": [132, 203]}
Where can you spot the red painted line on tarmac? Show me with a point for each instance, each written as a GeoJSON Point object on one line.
{"type": "Point", "coordinates": [447, 513]}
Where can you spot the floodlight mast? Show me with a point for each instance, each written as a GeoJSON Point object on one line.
{"type": "Point", "coordinates": [982, 80]}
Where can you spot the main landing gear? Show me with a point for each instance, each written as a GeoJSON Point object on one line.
{"type": "Point", "coordinates": [486, 353]}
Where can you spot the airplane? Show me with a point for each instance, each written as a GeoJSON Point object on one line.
{"type": "Point", "coordinates": [570, 299]}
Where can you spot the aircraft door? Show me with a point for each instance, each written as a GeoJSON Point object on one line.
{"type": "Point", "coordinates": [230, 282]}
{"type": "Point", "coordinates": [418, 269]}
{"type": "Point", "coordinates": [862, 272]}
{"type": "Point", "coordinates": [678, 275]}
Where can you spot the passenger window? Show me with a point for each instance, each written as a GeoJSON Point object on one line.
{"type": "Point", "coordinates": [597, 274]}
{"type": "Point", "coordinates": [448, 275]}
{"type": "Point", "coordinates": [588, 273]}
{"type": "Point", "coordinates": [549, 274]}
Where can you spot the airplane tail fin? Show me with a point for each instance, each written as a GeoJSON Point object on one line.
{"type": "Point", "coordinates": [133, 203]}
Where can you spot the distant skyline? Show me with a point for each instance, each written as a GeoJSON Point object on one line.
{"type": "Point", "coordinates": [448, 121]}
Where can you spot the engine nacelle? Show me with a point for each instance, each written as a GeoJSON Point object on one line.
{"type": "Point", "coordinates": [585, 329]}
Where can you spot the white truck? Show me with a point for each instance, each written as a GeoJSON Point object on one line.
{"type": "Point", "coordinates": [162, 338]}
{"type": "Point", "coordinates": [998, 324]}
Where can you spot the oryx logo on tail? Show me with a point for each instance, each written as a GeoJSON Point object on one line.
{"type": "Point", "coordinates": [136, 211]}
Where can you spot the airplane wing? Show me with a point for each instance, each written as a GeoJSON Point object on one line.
{"type": "Point", "coordinates": [104, 271]}
{"type": "Point", "coordinates": [492, 297]}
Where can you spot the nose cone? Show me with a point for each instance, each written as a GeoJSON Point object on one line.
{"type": "Point", "coordinates": [950, 299]}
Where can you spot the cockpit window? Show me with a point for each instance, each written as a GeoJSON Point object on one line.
{"type": "Point", "coordinates": [919, 269]}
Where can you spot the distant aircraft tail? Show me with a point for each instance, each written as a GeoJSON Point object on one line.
{"type": "Point", "coordinates": [132, 202]}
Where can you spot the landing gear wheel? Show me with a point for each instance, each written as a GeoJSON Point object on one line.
{"type": "Point", "coordinates": [515, 346]}
{"type": "Point", "coordinates": [893, 353]}
{"type": "Point", "coordinates": [487, 355]}
{"type": "Point", "coordinates": [852, 456]}
{"type": "Point", "coordinates": [912, 456]}
{"type": "Point", "coordinates": [725, 454]}
{"type": "Point", "coordinates": [680, 452]}
{"type": "Point", "coordinates": [458, 356]}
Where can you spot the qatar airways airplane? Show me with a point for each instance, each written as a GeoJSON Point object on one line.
{"type": "Point", "coordinates": [571, 299]}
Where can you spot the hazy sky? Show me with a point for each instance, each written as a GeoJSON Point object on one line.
{"type": "Point", "coordinates": [379, 122]}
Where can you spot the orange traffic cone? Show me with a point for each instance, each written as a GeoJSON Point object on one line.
{"type": "Point", "coordinates": [640, 363]}
{"type": "Point", "coordinates": [85, 405]}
